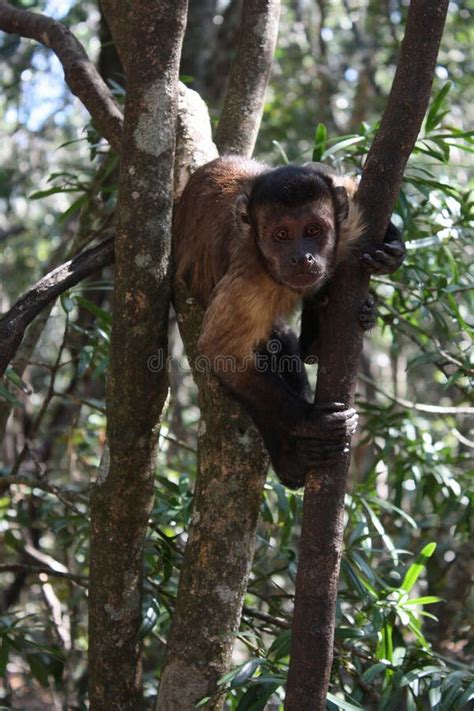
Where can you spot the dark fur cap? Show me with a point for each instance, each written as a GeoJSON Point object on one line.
{"type": "Point", "coordinates": [291, 186]}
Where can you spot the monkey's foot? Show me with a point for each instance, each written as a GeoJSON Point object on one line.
{"type": "Point", "coordinates": [326, 423]}
{"type": "Point", "coordinates": [299, 456]}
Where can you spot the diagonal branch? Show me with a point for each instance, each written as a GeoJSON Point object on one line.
{"type": "Point", "coordinates": [81, 75]}
{"type": "Point", "coordinates": [14, 322]}
{"type": "Point", "coordinates": [341, 343]}
{"type": "Point", "coordinates": [243, 106]}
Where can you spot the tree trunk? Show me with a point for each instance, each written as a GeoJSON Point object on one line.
{"type": "Point", "coordinates": [231, 459]}
{"type": "Point", "coordinates": [322, 527]}
{"type": "Point", "coordinates": [149, 43]}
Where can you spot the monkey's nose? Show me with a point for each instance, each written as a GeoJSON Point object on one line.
{"type": "Point", "coordinates": [305, 259]}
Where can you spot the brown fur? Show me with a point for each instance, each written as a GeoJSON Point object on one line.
{"type": "Point", "coordinates": [222, 267]}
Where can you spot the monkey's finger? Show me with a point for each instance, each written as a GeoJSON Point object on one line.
{"type": "Point", "coordinates": [341, 416]}
{"type": "Point", "coordinates": [372, 263]}
{"type": "Point", "coordinates": [346, 425]}
{"type": "Point", "coordinates": [396, 248]}
{"type": "Point", "coordinates": [368, 305]}
{"type": "Point", "coordinates": [328, 454]}
{"type": "Point", "coordinates": [331, 406]}
{"type": "Point", "coordinates": [384, 265]}
{"type": "Point", "coordinates": [341, 432]}
{"type": "Point", "coordinates": [382, 256]}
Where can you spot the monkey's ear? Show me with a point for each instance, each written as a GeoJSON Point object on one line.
{"type": "Point", "coordinates": [242, 213]}
{"type": "Point", "coordinates": [342, 202]}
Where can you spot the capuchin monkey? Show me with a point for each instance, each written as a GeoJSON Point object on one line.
{"type": "Point", "coordinates": [252, 243]}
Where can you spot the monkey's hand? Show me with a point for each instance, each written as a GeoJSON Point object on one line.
{"type": "Point", "coordinates": [389, 256]}
{"type": "Point", "coordinates": [368, 313]}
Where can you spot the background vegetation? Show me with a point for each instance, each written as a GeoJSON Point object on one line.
{"type": "Point", "coordinates": [404, 615]}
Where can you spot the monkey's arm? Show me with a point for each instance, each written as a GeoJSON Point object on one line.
{"type": "Point", "coordinates": [383, 259]}
{"type": "Point", "coordinates": [238, 319]}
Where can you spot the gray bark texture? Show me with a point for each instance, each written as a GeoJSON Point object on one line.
{"type": "Point", "coordinates": [243, 106]}
{"type": "Point", "coordinates": [341, 339]}
{"type": "Point", "coordinates": [232, 464]}
{"type": "Point", "coordinates": [148, 40]}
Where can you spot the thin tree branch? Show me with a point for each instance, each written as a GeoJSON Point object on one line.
{"type": "Point", "coordinates": [243, 106]}
{"type": "Point", "coordinates": [81, 75]}
{"type": "Point", "coordinates": [341, 342]}
{"type": "Point", "coordinates": [418, 407]}
{"type": "Point", "coordinates": [14, 322]}
{"type": "Point", "coordinates": [264, 617]}
{"type": "Point", "coordinates": [42, 569]}
{"type": "Point", "coordinates": [65, 497]}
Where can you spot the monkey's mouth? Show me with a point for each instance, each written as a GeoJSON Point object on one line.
{"type": "Point", "coordinates": [303, 280]}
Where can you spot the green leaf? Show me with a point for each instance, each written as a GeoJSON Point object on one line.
{"type": "Point", "coordinates": [281, 646]}
{"type": "Point", "coordinates": [149, 620]}
{"type": "Point", "coordinates": [369, 675]}
{"type": "Point", "coordinates": [51, 191]}
{"type": "Point", "coordinates": [348, 633]}
{"type": "Point", "coordinates": [435, 113]}
{"type": "Point", "coordinates": [76, 205]}
{"type": "Point", "coordinates": [38, 668]}
{"type": "Point", "coordinates": [245, 673]}
{"type": "Point", "coordinates": [385, 646]}
{"type": "Point", "coordinates": [390, 507]}
{"type": "Point", "coordinates": [9, 397]}
{"type": "Point", "coordinates": [282, 152]}
{"type": "Point", "coordinates": [419, 674]}
{"type": "Point", "coordinates": [320, 140]}
{"type": "Point", "coordinates": [94, 309]}
{"type": "Point", "coordinates": [416, 568]}
{"type": "Point", "coordinates": [427, 600]}
{"type": "Point", "coordinates": [67, 303]}
{"type": "Point", "coordinates": [341, 145]}
{"type": "Point", "coordinates": [257, 696]}
{"type": "Point", "coordinates": [467, 696]}
{"type": "Point", "coordinates": [342, 704]}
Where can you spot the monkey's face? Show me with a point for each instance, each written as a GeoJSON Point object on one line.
{"type": "Point", "coordinates": [298, 244]}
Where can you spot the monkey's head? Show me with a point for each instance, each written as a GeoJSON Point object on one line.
{"type": "Point", "coordinates": [294, 213]}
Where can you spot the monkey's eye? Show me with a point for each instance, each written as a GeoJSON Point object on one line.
{"type": "Point", "coordinates": [281, 234]}
{"type": "Point", "coordinates": [313, 230]}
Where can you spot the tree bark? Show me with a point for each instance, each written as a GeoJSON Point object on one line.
{"type": "Point", "coordinates": [198, 42]}
{"type": "Point", "coordinates": [121, 500]}
{"type": "Point", "coordinates": [232, 464]}
{"type": "Point", "coordinates": [322, 526]}
{"type": "Point", "coordinates": [250, 71]}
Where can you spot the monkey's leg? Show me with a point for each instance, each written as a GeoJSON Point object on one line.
{"type": "Point", "coordinates": [281, 354]}
{"type": "Point", "coordinates": [309, 336]}
{"type": "Point", "coordinates": [277, 408]}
